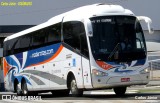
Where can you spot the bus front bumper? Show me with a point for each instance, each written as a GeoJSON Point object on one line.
{"type": "Point", "coordinates": [118, 81]}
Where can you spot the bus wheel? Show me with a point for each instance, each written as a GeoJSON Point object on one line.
{"type": "Point", "coordinates": [24, 88]}
{"type": "Point", "coordinates": [74, 89]}
{"type": "Point", "coordinates": [18, 90]}
{"type": "Point", "coordinates": [120, 91]}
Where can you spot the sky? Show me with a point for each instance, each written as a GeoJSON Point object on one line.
{"type": "Point", "coordinates": [42, 10]}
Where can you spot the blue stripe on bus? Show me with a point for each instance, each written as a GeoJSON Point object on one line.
{"type": "Point", "coordinates": [41, 54]}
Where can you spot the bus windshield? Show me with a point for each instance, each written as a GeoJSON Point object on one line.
{"type": "Point", "coordinates": [117, 38]}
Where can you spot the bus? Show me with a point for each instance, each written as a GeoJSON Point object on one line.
{"type": "Point", "coordinates": [98, 46]}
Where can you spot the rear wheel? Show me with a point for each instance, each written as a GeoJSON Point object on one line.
{"type": "Point", "coordinates": [120, 91]}
{"type": "Point", "coordinates": [74, 89]}
{"type": "Point", "coordinates": [24, 88]}
{"type": "Point", "coordinates": [25, 91]}
{"type": "Point", "coordinates": [17, 89]}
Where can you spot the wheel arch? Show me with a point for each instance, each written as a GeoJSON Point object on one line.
{"type": "Point", "coordinates": [18, 80]}
{"type": "Point", "coordinates": [23, 79]}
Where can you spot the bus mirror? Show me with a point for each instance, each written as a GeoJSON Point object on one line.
{"type": "Point", "coordinates": [148, 21]}
{"type": "Point", "coordinates": [89, 29]}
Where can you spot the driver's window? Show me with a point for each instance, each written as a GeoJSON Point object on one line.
{"type": "Point", "coordinates": [139, 36]}
{"type": "Point", "coordinates": [138, 43]}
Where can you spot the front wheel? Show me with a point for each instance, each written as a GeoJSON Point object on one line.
{"type": "Point", "coordinates": [120, 91]}
{"type": "Point", "coordinates": [74, 89]}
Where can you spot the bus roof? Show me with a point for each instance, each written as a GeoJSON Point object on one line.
{"type": "Point", "coordinates": [81, 12]}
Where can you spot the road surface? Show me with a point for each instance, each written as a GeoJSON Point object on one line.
{"type": "Point", "coordinates": [93, 97]}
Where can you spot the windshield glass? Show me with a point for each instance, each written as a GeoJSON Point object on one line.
{"type": "Point", "coordinates": [117, 38]}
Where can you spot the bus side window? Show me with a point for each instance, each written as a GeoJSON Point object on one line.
{"type": "Point", "coordinates": [13, 46]}
{"type": "Point", "coordinates": [54, 35]}
{"type": "Point", "coordinates": [16, 47]}
{"type": "Point", "coordinates": [9, 44]}
{"type": "Point", "coordinates": [38, 39]}
{"type": "Point", "coordinates": [67, 33]}
{"type": "Point", "coordinates": [25, 43]}
{"type": "Point", "coordinates": [71, 33]}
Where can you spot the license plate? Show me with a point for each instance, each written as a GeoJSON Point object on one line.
{"type": "Point", "coordinates": [125, 79]}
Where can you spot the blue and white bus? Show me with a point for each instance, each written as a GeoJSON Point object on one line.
{"type": "Point", "coordinates": [99, 46]}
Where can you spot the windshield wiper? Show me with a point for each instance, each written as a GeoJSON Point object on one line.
{"type": "Point", "coordinates": [114, 51]}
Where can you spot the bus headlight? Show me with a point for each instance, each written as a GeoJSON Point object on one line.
{"type": "Point", "coordinates": [146, 70]}
{"type": "Point", "coordinates": [98, 73]}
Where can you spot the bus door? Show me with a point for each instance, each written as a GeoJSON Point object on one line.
{"type": "Point", "coordinates": [85, 61]}
{"type": "Point", "coordinates": [73, 60]}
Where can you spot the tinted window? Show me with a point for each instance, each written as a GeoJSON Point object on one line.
{"type": "Point", "coordinates": [16, 46]}
{"type": "Point", "coordinates": [84, 46]}
{"type": "Point", "coordinates": [117, 38]}
{"type": "Point", "coordinates": [33, 40]}
{"type": "Point", "coordinates": [25, 42]}
{"type": "Point", "coordinates": [54, 33]}
{"type": "Point", "coordinates": [71, 32]}
{"type": "Point", "coordinates": [38, 38]}
{"type": "Point", "coordinates": [74, 35]}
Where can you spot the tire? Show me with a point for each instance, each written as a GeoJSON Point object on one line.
{"type": "Point", "coordinates": [60, 92]}
{"type": "Point", "coordinates": [74, 89]}
{"type": "Point", "coordinates": [18, 90]}
{"type": "Point", "coordinates": [24, 89]}
{"type": "Point", "coordinates": [120, 91]}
